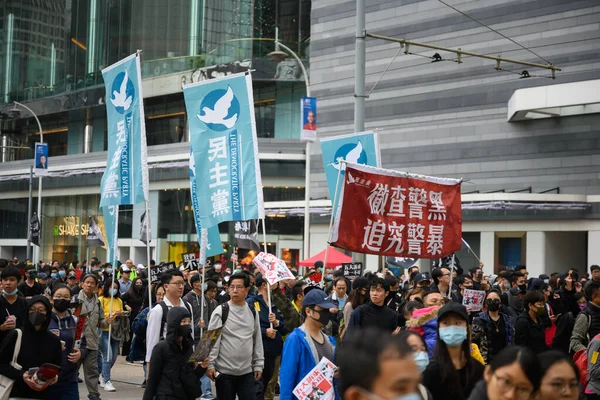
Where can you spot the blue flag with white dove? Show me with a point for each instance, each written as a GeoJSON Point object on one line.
{"type": "Point", "coordinates": [225, 149]}
{"type": "Point", "coordinates": [358, 148]}
{"type": "Point", "coordinates": [213, 245]}
{"type": "Point", "coordinates": [110, 214]}
{"type": "Point", "coordinates": [125, 180]}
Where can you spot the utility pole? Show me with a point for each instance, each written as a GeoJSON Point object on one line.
{"type": "Point", "coordinates": [359, 86]}
{"type": "Point", "coordinates": [29, 211]}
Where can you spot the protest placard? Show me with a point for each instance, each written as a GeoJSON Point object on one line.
{"type": "Point", "coordinates": [191, 261]}
{"type": "Point", "coordinates": [272, 268]}
{"type": "Point", "coordinates": [155, 272]}
{"type": "Point", "coordinates": [206, 344]}
{"type": "Point", "coordinates": [473, 299]}
{"type": "Point", "coordinates": [318, 384]}
{"type": "Point", "coordinates": [353, 269]}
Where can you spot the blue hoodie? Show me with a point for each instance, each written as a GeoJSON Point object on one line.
{"type": "Point", "coordinates": [298, 359]}
{"type": "Point", "coordinates": [271, 347]}
{"type": "Point", "coordinates": [65, 329]}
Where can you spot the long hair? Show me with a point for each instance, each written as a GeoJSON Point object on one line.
{"type": "Point", "coordinates": [449, 374]}
{"type": "Point", "coordinates": [356, 298]}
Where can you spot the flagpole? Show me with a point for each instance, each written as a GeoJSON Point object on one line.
{"type": "Point", "coordinates": [264, 229]}
{"type": "Point", "coordinates": [451, 278]}
{"type": "Point", "coordinates": [335, 199]}
{"type": "Point", "coordinates": [114, 272]}
{"type": "Point", "coordinates": [203, 246]}
{"type": "Point", "coordinates": [87, 259]}
{"type": "Point", "coordinates": [148, 257]}
{"type": "Point", "coordinates": [469, 247]}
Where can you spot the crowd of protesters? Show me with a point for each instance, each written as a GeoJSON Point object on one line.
{"type": "Point", "coordinates": [391, 337]}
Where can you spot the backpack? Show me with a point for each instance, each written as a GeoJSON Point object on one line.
{"type": "Point", "coordinates": [165, 310]}
{"type": "Point", "coordinates": [140, 323]}
{"type": "Point", "coordinates": [225, 312]}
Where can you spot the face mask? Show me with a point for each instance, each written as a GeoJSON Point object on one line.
{"type": "Point", "coordinates": [139, 288]}
{"type": "Point", "coordinates": [453, 335]}
{"type": "Point", "coordinates": [10, 293]}
{"type": "Point", "coordinates": [582, 306]}
{"type": "Point", "coordinates": [324, 317]}
{"type": "Point", "coordinates": [506, 286]}
{"type": "Point", "coordinates": [32, 274]}
{"type": "Point", "coordinates": [54, 275]}
{"type": "Point", "coordinates": [62, 305]}
{"type": "Point", "coordinates": [546, 281]}
{"type": "Point", "coordinates": [184, 330]}
{"type": "Point", "coordinates": [523, 287]}
{"type": "Point", "coordinates": [109, 270]}
{"type": "Point", "coordinates": [468, 287]}
{"type": "Point", "coordinates": [61, 273]}
{"type": "Point", "coordinates": [329, 277]}
{"type": "Point", "coordinates": [219, 284]}
{"type": "Point", "coordinates": [113, 292]}
{"type": "Point", "coordinates": [421, 359]}
{"type": "Point", "coordinates": [493, 305]}
{"type": "Point", "coordinates": [97, 270]}
{"type": "Point", "coordinates": [36, 318]}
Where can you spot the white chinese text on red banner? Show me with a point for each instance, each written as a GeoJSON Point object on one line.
{"type": "Point", "coordinates": [397, 214]}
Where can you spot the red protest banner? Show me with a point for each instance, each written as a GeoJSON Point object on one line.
{"type": "Point", "coordinates": [393, 213]}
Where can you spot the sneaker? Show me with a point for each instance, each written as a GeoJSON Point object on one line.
{"type": "Point", "coordinates": [79, 380]}
{"type": "Point", "coordinates": [101, 381]}
{"type": "Point", "coordinates": [143, 385]}
{"type": "Point", "coordinates": [207, 396]}
{"type": "Point", "coordinates": [108, 386]}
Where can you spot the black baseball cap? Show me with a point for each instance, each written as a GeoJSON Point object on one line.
{"type": "Point", "coordinates": [421, 276]}
{"type": "Point", "coordinates": [453, 307]}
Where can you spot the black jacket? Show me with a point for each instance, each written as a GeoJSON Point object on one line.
{"type": "Point", "coordinates": [37, 348]}
{"type": "Point", "coordinates": [371, 315]}
{"type": "Point", "coordinates": [530, 334]}
{"type": "Point", "coordinates": [171, 376]}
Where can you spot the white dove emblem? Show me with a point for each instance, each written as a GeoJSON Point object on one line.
{"type": "Point", "coordinates": [220, 111]}
{"type": "Point", "coordinates": [120, 98]}
{"type": "Point", "coordinates": [352, 156]}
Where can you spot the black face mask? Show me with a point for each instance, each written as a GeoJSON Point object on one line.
{"type": "Point", "coordinates": [36, 318]}
{"type": "Point", "coordinates": [184, 330]}
{"type": "Point", "coordinates": [324, 317]}
{"type": "Point", "coordinates": [139, 288]}
{"type": "Point", "coordinates": [493, 305]}
{"type": "Point", "coordinates": [523, 287]}
{"type": "Point", "coordinates": [62, 305]}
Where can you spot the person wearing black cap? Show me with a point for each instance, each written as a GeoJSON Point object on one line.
{"type": "Point", "coordinates": [422, 280]}
{"type": "Point", "coordinates": [38, 347]}
{"type": "Point", "coordinates": [307, 345]}
{"type": "Point", "coordinates": [452, 373]}
{"type": "Point", "coordinates": [29, 287]}
{"type": "Point", "coordinates": [357, 297]}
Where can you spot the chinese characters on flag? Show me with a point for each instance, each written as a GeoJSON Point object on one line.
{"type": "Point", "coordinates": [388, 213]}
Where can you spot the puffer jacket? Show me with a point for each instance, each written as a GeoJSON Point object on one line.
{"type": "Point", "coordinates": [480, 332]}
{"type": "Point", "coordinates": [424, 321]}
{"type": "Point", "coordinates": [171, 374]}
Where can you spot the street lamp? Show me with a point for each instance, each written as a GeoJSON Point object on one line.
{"type": "Point", "coordinates": [279, 55]}
{"type": "Point", "coordinates": [16, 112]}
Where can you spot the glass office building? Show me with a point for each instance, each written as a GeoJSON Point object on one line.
{"type": "Point", "coordinates": [51, 56]}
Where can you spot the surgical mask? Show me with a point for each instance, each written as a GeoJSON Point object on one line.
{"type": "Point", "coordinates": [36, 318]}
{"type": "Point", "coordinates": [219, 284]}
{"type": "Point", "coordinates": [54, 275]}
{"type": "Point", "coordinates": [329, 277]}
{"type": "Point", "coordinates": [453, 335]}
{"type": "Point", "coordinates": [184, 330]}
{"type": "Point", "coordinates": [10, 293]}
{"type": "Point", "coordinates": [421, 359]}
{"type": "Point", "coordinates": [62, 305]}
{"type": "Point", "coordinates": [113, 292]}
{"type": "Point", "coordinates": [582, 306]}
{"type": "Point", "coordinates": [109, 270]}
{"type": "Point", "coordinates": [493, 305]}
{"type": "Point", "coordinates": [324, 317]}
{"type": "Point", "coordinates": [61, 273]}
{"type": "Point", "coordinates": [546, 281]}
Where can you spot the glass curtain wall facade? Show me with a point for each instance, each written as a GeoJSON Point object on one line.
{"type": "Point", "coordinates": [52, 53]}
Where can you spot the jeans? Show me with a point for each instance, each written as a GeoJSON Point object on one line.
{"type": "Point", "coordinates": [228, 386]}
{"type": "Point", "coordinates": [206, 386]}
{"type": "Point", "coordinates": [69, 391]}
{"type": "Point", "coordinates": [104, 363]}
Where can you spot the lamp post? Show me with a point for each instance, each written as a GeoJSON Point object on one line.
{"type": "Point", "coordinates": [39, 205]}
{"type": "Point", "coordinates": [280, 55]}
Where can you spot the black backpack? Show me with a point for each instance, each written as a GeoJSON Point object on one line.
{"type": "Point", "coordinates": [225, 312]}
{"type": "Point", "coordinates": [165, 310]}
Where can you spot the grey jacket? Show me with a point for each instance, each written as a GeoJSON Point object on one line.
{"type": "Point", "coordinates": [95, 318]}
{"type": "Point", "coordinates": [593, 368]}
{"type": "Point", "coordinates": [579, 337]}
{"type": "Point", "coordinates": [196, 302]}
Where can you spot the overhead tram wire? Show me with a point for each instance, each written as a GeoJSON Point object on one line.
{"type": "Point", "coordinates": [495, 31]}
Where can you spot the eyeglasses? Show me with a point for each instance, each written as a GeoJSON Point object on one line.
{"type": "Point", "coordinates": [177, 283]}
{"type": "Point", "coordinates": [560, 385]}
{"type": "Point", "coordinates": [506, 385]}
{"type": "Point", "coordinates": [233, 288]}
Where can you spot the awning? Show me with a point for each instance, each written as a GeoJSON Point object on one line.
{"type": "Point", "coordinates": [562, 100]}
{"type": "Point", "coordinates": [334, 258]}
